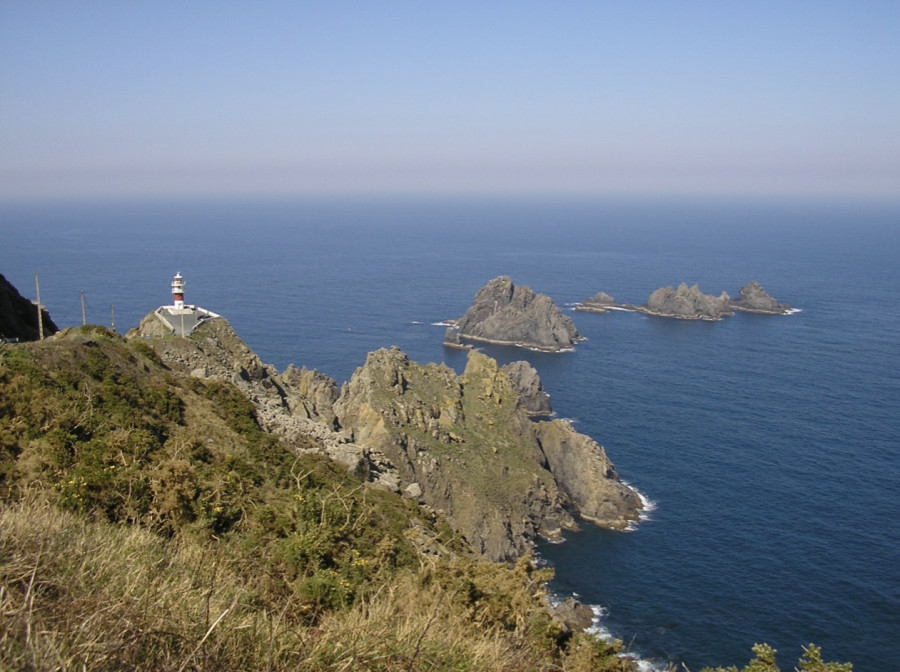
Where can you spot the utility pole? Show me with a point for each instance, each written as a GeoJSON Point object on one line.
{"type": "Point", "coordinates": [113, 308]}
{"type": "Point", "coordinates": [83, 320]}
{"type": "Point", "coordinates": [37, 287]}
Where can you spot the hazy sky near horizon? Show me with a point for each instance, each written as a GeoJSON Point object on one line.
{"type": "Point", "coordinates": [719, 97]}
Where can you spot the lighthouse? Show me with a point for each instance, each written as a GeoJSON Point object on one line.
{"type": "Point", "coordinates": [179, 318]}
{"type": "Point", "coordinates": [178, 291]}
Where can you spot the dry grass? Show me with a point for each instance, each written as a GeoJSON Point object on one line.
{"type": "Point", "coordinates": [87, 596]}
{"type": "Point", "coordinates": [78, 595]}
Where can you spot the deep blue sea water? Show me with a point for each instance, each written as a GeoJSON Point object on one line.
{"type": "Point", "coordinates": [769, 445]}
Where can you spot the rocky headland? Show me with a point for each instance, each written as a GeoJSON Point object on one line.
{"type": "Point", "coordinates": [464, 446]}
{"type": "Point", "coordinates": [687, 303]}
{"type": "Point", "coordinates": [752, 298]}
{"type": "Point", "coordinates": [507, 314]}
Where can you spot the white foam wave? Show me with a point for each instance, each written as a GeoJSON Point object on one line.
{"type": "Point", "coordinates": [648, 506]}
{"type": "Point", "coordinates": [533, 349]}
{"type": "Point", "coordinates": [439, 324]}
{"type": "Point", "coordinates": [601, 632]}
{"type": "Point", "coordinates": [624, 310]}
{"type": "Point", "coordinates": [793, 311]}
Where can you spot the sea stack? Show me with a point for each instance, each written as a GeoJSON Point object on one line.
{"type": "Point", "coordinates": [752, 298]}
{"type": "Point", "coordinates": [687, 303]}
{"type": "Point", "coordinates": [507, 314]}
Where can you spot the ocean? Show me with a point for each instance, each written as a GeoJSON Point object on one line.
{"type": "Point", "coordinates": [768, 445]}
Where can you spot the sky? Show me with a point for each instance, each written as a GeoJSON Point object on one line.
{"type": "Point", "coordinates": [140, 98]}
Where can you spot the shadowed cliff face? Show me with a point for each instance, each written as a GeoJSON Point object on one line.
{"type": "Point", "coordinates": [18, 315]}
{"type": "Point", "coordinates": [467, 448]}
{"type": "Point", "coordinates": [504, 313]}
{"type": "Point", "coordinates": [532, 396]}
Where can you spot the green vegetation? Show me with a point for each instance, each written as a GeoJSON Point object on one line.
{"type": "Point", "coordinates": [764, 661]}
{"type": "Point", "coordinates": [149, 523]}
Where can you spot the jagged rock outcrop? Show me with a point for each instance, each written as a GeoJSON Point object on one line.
{"type": "Point", "coordinates": [752, 298]}
{"type": "Point", "coordinates": [295, 405]}
{"type": "Point", "coordinates": [532, 396]}
{"type": "Point", "coordinates": [687, 303]}
{"type": "Point", "coordinates": [586, 474]}
{"type": "Point", "coordinates": [469, 447]}
{"type": "Point", "coordinates": [18, 315]}
{"type": "Point", "coordinates": [509, 315]}
{"type": "Point", "coordinates": [599, 303]}
{"type": "Point", "coordinates": [311, 393]}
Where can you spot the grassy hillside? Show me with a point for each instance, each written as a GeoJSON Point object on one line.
{"type": "Point", "coordinates": [149, 523]}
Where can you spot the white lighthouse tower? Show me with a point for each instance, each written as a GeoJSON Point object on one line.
{"type": "Point", "coordinates": [178, 291]}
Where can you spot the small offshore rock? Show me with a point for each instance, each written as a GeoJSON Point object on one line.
{"type": "Point", "coordinates": [599, 303]}
{"type": "Point", "coordinates": [451, 340]}
{"type": "Point", "coordinates": [752, 298]}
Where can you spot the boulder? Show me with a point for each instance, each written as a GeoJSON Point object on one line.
{"type": "Point", "coordinates": [573, 615]}
{"type": "Point", "coordinates": [509, 315]}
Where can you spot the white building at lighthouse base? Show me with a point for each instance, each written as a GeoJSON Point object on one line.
{"type": "Point", "coordinates": [183, 320]}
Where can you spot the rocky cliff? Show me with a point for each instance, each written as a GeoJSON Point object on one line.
{"type": "Point", "coordinates": [752, 298]}
{"type": "Point", "coordinates": [18, 315]}
{"type": "Point", "coordinates": [295, 405]}
{"type": "Point", "coordinates": [462, 445]}
{"type": "Point", "coordinates": [532, 396]}
{"type": "Point", "coordinates": [465, 446]}
{"type": "Point", "coordinates": [687, 303]}
{"type": "Point", "coordinates": [506, 314]}
{"type": "Point", "coordinates": [586, 475]}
